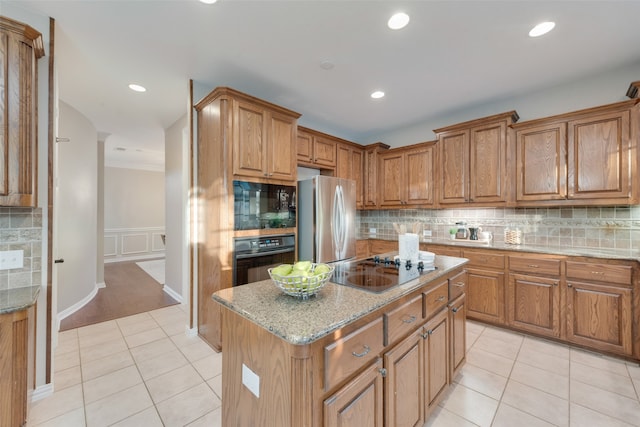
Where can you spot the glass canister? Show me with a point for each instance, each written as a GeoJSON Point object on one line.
{"type": "Point", "coordinates": [513, 236]}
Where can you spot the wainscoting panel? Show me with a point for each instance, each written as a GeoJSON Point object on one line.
{"type": "Point", "coordinates": [126, 244]}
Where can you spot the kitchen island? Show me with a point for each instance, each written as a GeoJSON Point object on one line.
{"type": "Point", "coordinates": [326, 361]}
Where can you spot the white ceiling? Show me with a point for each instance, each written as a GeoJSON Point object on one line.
{"type": "Point", "coordinates": [453, 54]}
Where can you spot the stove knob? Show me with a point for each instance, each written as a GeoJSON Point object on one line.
{"type": "Point", "coordinates": [387, 261]}
{"type": "Point", "coordinates": [397, 262]}
{"type": "Point", "coordinates": [376, 259]}
{"type": "Point", "coordinates": [408, 265]}
{"type": "Point", "coordinates": [420, 266]}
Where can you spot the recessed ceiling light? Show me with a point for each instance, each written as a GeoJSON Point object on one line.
{"type": "Point", "coordinates": [541, 28]}
{"type": "Point", "coordinates": [208, 1]}
{"type": "Point", "coordinates": [397, 21]}
{"type": "Point", "coordinates": [377, 94]}
{"type": "Point", "coordinates": [326, 65]}
{"type": "Point", "coordinates": [137, 88]}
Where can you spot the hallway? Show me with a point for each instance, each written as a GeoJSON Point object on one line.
{"type": "Point", "coordinates": [129, 290]}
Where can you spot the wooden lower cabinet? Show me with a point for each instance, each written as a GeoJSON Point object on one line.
{"type": "Point", "coordinates": [533, 304]}
{"type": "Point", "coordinates": [17, 332]}
{"type": "Point", "coordinates": [599, 316]}
{"type": "Point", "coordinates": [485, 296]}
{"type": "Point", "coordinates": [359, 403]}
{"type": "Point", "coordinates": [436, 359]}
{"type": "Point", "coordinates": [404, 383]}
{"type": "Point", "coordinates": [457, 336]}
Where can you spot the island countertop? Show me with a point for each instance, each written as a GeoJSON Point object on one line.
{"type": "Point", "coordinates": [17, 299]}
{"type": "Point", "coordinates": [304, 321]}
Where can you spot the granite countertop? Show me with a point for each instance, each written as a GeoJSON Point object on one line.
{"type": "Point", "coordinates": [605, 253]}
{"type": "Point", "coordinates": [18, 298]}
{"type": "Point", "coordinates": [304, 321]}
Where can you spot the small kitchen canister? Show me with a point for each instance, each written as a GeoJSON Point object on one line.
{"type": "Point", "coordinates": [513, 236]}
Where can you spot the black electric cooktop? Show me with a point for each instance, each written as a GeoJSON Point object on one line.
{"type": "Point", "coordinates": [378, 274]}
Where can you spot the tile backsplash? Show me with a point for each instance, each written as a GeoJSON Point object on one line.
{"type": "Point", "coordinates": [597, 227]}
{"type": "Point", "coordinates": [21, 229]}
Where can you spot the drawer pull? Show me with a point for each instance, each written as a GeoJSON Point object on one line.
{"type": "Point", "coordinates": [454, 310]}
{"type": "Point", "coordinates": [533, 265]}
{"type": "Point", "coordinates": [366, 351]}
{"type": "Point", "coordinates": [459, 284]}
{"type": "Point", "coordinates": [440, 298]}
{"type": "Point", "coordinates": [411, 319]}
{"type": "Point", "coordinates": [425, 335]}
{"type": "Point", "coordinates": [601, 273]}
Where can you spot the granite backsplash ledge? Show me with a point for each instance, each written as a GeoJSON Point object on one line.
{"type": "Point", "coordinates": [597, 227]}
{"type": "Point", "coordinates": [21, 229]}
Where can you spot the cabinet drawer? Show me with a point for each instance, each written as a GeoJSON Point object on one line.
{"type": "Point", "coordinates": [346, 355]}
{"type": "Point", "coordinates": [402, 320]}
{"type": "Point", "coordinates": [382, 246]}
{"type": "Point", "coordinates": [436, 298]}
{"type": "Point", "coordinates": [620, 274]}
{"type": "Point", "coordinates": [444, 250]}
{"type": "Point", "coordinates": [484, 259]}
{"type": "Point", "coordinates": [549, 267]}
{"type": "Point", "coordinates": [457, 285]}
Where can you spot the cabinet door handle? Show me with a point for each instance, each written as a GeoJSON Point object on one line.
{"type": "Point", "coordinates": [411, 319]}
{"type": "Point", "coordinates": [383, 372]}
{"type": "Point", "coordinates": [366, 351]}
{"type": "Point", "coordinates": [459, 284]}
{"type": "Point", "coordinates": [532, 265]}
{"type": "Point", "coordinates": [454, 310]}
{"type": "Point", "coordinates": [555, 283]}
{"type": "Point", "coordinates": [600, 273]}
{"type": "Point", "coordinates": [425, 335]}
{"type": "Point", "coordinates": [440, 298]}
{"type": "Point", "coordinates": [569, 285]}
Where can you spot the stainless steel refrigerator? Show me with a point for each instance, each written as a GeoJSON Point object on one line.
{"type": "Point", "coordinates": [326, 219]}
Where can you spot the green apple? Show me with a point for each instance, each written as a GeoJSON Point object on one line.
{"type": "Point", "coordinates": [282, 270]}
{"type": "Point", "coordinates": [302, 266]}
{"type": "Point", "coordinates": [321, 269]}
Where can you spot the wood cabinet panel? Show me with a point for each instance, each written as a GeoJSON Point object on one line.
{"type": "Point", "coordinates": [404, 383]}
{"type": "Point", "coordinates": [484, 259]}
{"type": "Point", "coordinates": [457, 285]}
{"type": "Point", "coordinates": [324, 152]}
{"type": "Point", "coordinates": [454, 167]}
{"type": "Point", "coordinates": [346, 355]}
{"type": "Point", "coordinates": [362, 249]}
{"type": "Point", "coordinates": [458, 335]}
{"type": "Point", "coordinates": [304, 147]}
{"type": "Point", "coordinates": [20, 48]}
{"type": "Point", "coordinates": [535, 265]}
{"type": "Point", "coordinates": [249, 142]}
{"type": "Point", "coordinates": [382, 246]}
{"type": "Point", "coordinates": [488, 149]}
{"type": "Point", "coordinates": [598, 159]}
{"type": "Point", "coordinates": [282, 154]}
{"type": "Point", "coordinates": [401, 320]}
{"type": "Point", "coordinates": [540, 163]}
{"type": "Point", "coordinates": [349, 165]}
{"type": "Point", "coordinates": [435, 299]}
{"type": "Point", "coordinates": [436, 333]}
{"type": "Point", "coordinates": [406, 177]}
{"type": "Point", "coordinates": [359, 403]}
{"type": "Point", "coordinates": [316, 149]}
{"type": "Point", "coordinates": [618, 274]}
{"type": "Point", "coordinates": [599, 316]}
{"type": "Point", "coordinates": [485, 295]}
{"type": "Point", "coordinates": [533, 304]}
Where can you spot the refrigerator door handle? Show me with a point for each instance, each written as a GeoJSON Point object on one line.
{"type": "Point", "coordinates": [338, 222]}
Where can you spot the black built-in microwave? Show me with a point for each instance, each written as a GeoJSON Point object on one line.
{"type": "Point", "coordinates": [257, 206]}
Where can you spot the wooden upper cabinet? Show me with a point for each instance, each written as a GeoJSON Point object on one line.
{"type": "Point", "coordinates": [349, 165]}
{"type": "Point", "coordinates": [20, 48]}
{"type": "Point", "coordinates": [587, 157]}
{"type": "Point", "coordinates": [406, 176]}
{"type": "Point", "coordinates": [370, 171]}
{"type": "Point", "coordinates": [473, 161]}
{"type": "Point", "coordinates": [315, 149]}
{"type": "Point", "coordinates": [598, 160]}
{"type": "Point", "coordinates": [540, 162]}
{"type": "Point", "coordinates": [263, 142]}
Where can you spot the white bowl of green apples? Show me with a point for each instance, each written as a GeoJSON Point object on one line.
{"type": "Point", "coordinates": [302, 279]}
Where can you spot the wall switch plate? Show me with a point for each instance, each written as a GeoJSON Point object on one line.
{"type": "Point", "coordinates": [11, 259]}
{"type": "Point", "coordinates": [372, 231]}
{"type": "Point", "coordinates": [426, 233]}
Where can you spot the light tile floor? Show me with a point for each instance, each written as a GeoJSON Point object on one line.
{"type": "Point", "coordinates": [143, 370]}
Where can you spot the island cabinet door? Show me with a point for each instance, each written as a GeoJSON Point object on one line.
{"type": "Point", "coordinates": [485, 296]}
{"type": "Point", "coordinates": [359, 402]}
{"type": "Point", "coordinates": [436, 359]}
{"type": "Point", "coordinates": [403, 385]}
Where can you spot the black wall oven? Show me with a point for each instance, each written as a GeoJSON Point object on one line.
{"type": "Point", "coordinates": [252, 256]}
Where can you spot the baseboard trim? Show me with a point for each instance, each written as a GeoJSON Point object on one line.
{"type": "Point", "coordinates": [158, 255]}
{"type": "Point", "coordinates": [176, 296]}
{"type": "Point", "coordinates": [41, 392]}
{"type": "Point", "coordinates": [77, 306]}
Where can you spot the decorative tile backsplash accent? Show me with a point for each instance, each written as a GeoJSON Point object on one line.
{"type": "Point", "coordinates": [597, 227]}
{"type": "Point", "coordinates": [21, 229]}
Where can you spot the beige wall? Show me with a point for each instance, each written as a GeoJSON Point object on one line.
{"type": "Point", "coordinates": [133, 198]}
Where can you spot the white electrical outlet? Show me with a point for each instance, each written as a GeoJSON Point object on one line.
{"type": "Point", "coordinates": [372, 231]}
{"type": "Point", "coordinates": [11, 259]}
{"type": "Point", "coordinates": [426, 233]}
{"type": "Point", "coordinates": [251, 380]}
